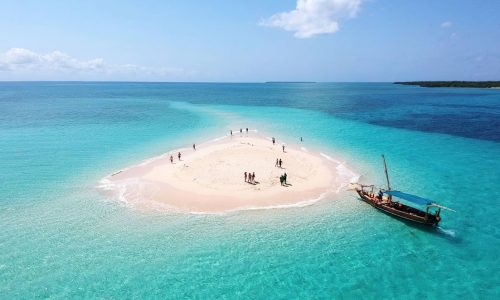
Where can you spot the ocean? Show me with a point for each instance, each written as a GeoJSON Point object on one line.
{"type": "Point", "coordinates": [61, 237]}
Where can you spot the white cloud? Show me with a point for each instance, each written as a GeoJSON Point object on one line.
{"type": "Point", "coordinates": [446, 24]}
{"type": "Point", "coordinates": [313, 17]}
{"type": "Point", "coordinates": [18, 60]}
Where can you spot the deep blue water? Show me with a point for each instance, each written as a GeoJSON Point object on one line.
{"type": "Point", "coordinates": [463, 112]}
{"type": "Point", "coordinates": [61, 238]}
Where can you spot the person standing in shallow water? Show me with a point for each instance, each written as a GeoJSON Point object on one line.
{"type": "Point", "coordinates": [247, 129]}
{"type": "Point", "coordinates": [171, 159]}
{"type": "Point", "coordinates": [179, 155]}
{"type": "Point", "coordinates": [194, 147]}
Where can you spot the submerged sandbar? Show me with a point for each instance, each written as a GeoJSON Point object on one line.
{"type": "Point", "coordinates": [210, 179]}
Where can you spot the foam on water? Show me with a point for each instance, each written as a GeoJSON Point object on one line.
{"type": "Point", "coordinates": [300, 204]}
{"type": "Point", "coordinates": [448, 232]}
{"type": "Point", "coordinates": [329, 158]}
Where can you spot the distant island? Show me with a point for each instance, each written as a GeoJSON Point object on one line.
{"type": "Point", "coordinates": [465, 84]}
{"type": "Point", "coordinates": [290, 82]}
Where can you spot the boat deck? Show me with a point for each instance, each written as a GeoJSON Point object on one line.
{"type": "Point", "coordinates": [398, 209]}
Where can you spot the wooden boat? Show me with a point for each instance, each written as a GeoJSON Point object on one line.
{"type": "Point", "coordinates": [401, 205]}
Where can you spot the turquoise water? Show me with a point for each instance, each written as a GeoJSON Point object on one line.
{"type": "Point", "coordinates": [61, 238]}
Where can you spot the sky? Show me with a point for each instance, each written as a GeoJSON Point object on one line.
{"type": "Point", "coordinates": [250, 41]}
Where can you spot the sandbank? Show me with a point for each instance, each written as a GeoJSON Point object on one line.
{"type": "Point", "coordinates": [210, 179]}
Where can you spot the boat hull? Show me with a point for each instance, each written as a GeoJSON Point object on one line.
{"type": "Point", "coordinates": [429, 220]}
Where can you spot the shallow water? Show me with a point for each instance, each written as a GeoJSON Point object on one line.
{"type": "Point", "coordinates": [61, 238]}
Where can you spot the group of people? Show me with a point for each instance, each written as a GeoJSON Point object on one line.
{"type": "Point", "coordinates": [279, 162]}
{"type": "Point", "coordinates": [241, 131]}
{"type": "Point", "coordinates": [179, 155]}
{"type": "Point", "coordinates": [283, 145]}
{"type": "Point", "coordinates": [172, 157]}
{"type": "Point", "coordinates": [283, 179]}
{"type": "Point", "coordinates": [250, 177]}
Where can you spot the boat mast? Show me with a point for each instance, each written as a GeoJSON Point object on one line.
{"type": "Point", "coordinates": [386, 174]}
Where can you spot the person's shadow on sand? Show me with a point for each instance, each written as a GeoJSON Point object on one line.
{"type": "Point", "coordinates": [253, 183]}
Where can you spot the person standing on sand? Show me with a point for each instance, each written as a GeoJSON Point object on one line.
{"type": "Point", "coordinates": [274, 141]}
{"type": "Point", "coordinates": [281, 180]}
{"type": "Point", "coordinates": [245, 176]}
{"type": "Point", "coordinates": [171, 159]}
{"type": "Point", "coordinates": [179, 155]}
{"type": "Point", "coordinates": [249, 177]}
{"type": "Point", "coordinates": [284, 178]}
{"type": "Point", "coordinates": [280, 162]}
{"type": "Point", "coordinates": [277, 163]}
{"type": "Point", "coordinates": [253, 177]}
{"type": "Point", "coordinates": [194, 147]}
{"type": "Point", "coordinates": [283, 147]}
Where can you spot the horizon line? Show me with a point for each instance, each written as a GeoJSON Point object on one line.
{"type": "Point", "coordinates": [233, 82]}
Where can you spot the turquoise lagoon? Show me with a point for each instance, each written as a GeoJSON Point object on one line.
{"type": "Point", "coordinates": [60, 237]}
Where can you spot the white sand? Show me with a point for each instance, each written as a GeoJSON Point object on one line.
{"type": "Point", "coordinates": [211, 179]}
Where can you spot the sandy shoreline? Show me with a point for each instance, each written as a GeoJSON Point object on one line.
{"type": "Point", "coordinates": [210, 179]}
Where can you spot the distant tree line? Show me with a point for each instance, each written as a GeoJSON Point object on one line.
{"type": "Point", "coordinates": [468, 84]}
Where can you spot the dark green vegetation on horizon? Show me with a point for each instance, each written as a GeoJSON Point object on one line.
{"type": "Point", "coordinates": [466, 84]}
{"type": "Point", "coordinates": [290, 82]}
